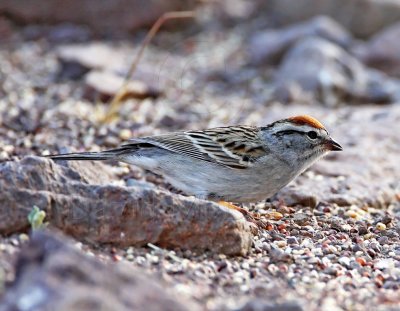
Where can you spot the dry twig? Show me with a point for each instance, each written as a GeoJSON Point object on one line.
{"type": "Point", "coordinates": [117, 99]}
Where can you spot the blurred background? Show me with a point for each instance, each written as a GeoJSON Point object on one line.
{"type": "Point", "coordinates": [234, 62]}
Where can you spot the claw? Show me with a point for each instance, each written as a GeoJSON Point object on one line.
{"type": "Point", "coordinates": [254, 218]}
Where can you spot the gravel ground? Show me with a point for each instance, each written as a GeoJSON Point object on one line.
{"type": "Point", "coordinates": [326, 258]}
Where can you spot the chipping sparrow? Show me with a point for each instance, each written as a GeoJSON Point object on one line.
{"type": "Point", "coordinates": [235, 163]}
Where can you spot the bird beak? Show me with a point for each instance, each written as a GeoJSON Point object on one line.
{"type": "Point", "coordinates": [333, 145]}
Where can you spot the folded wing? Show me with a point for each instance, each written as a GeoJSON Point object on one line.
{"type": "Point", "coordinates": [235, 147]}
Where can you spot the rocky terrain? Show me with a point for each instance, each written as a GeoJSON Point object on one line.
{"type": "Point", "coordinates": [119, 238]}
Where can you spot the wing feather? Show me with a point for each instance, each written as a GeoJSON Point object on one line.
{"type": "Point", "coordinates": [235, 147]}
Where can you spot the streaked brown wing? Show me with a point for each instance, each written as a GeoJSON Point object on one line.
{"type": "Point", "coordinates": [235, 147]}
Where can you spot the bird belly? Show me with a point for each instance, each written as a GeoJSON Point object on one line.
{"type": "Point", "coordinates": [212, 181]}
{"type": "Point", "coordinates": [215, 182]}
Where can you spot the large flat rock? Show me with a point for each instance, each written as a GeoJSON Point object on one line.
{"type": "Point", "coordinates": [112, 214]}
{"type": "Point", "coordinates": [48, 278]}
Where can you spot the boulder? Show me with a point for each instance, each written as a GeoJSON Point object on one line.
{"type": "Point", "coordinates": [49, 277]}
{"type": "Point", "coordinates": [383, 50]}
{"type": "Point", "coordinates": [330, 74]}
{"type": "Point", "coordinates": [269, 46]}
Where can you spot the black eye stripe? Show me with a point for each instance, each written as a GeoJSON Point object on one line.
{"type": "Point", "coordinates": [290, 132]}
{"type": "Point", "coordinates": [311, 134]}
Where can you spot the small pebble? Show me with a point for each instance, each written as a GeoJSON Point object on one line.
{"type": "Point", "coordinates": [281, 244]}
{"type": "Point", "coordinates": [125, 134]}
{"type": "Point", "coordinates": [4, 155]}
{"type": "Point", "coordinates": [383, 240]}
{"type": "Point", "coordinates": [351, 214]}
{"type": "Point", "coordinates": [361, 261]}
{"type": "Point", "coordinates": [345, 261]}
{"type": "Point", "coordinates": [275, 215]}
{"type": "Point", "coordinates": [368, 236]}
{"type": "Point", "coordinates": [346, 227]}
{"type": "Point", "coordinates": [380, 226]}
{"type": "Point", "coordinates": [301, 219]}
{"type": "Point", "coordinates": [140, 260]}
{"type": "Point", "coordinates": [23, 237]}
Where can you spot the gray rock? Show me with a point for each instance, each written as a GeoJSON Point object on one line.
{"type": "Point", "coordinates": [345, 261]}
{"type": "Point", "coordinates": [303, 198]}
{"type": "Point", "coordinates": [383, 240]}
{"type": "Point", "coordinates": [117, 215]}
{"type": "Point", "coordinates": [268, 46]}
{"type": "Point", "coordinates": [278, 255]}
{"type": "Point", "coordinates": [327, 72]}
{"type": "Point", "coordinates": [292, 240]}
{"type": "Point", "coordinates": [301, 219]}
{"type": "Point", "coordinates": [262, 305]}
{"type": "Point", "coordinates": [385, 263]}
{"type": "Point", "coordinates": [382, 51]}
{"type": "Point", "coordinates": [51, 273]}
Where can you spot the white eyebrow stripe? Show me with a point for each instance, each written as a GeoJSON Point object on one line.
{"type": "Point", "coordinates": [298, 128]}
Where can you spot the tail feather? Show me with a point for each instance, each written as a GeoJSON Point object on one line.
{"type": "Point", "coordinates": [96, 156]}
{"type": "Point", "coordinates": [92, 156]}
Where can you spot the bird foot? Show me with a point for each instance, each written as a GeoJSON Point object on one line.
{"type": "Point", "coordinates": [254, 218]}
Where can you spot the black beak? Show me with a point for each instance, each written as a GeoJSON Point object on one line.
{"type": "Point", "coordinates": [333, 145]}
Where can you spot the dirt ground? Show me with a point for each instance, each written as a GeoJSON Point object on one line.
{"type": "Point", "coordinates": [335, 242]}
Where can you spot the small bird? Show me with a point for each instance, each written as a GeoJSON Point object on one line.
{"type": "Point", "coordinates": [238, 164]}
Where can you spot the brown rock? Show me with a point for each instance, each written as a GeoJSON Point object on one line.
{"type": "Point", "coordinates": [363, 18]}
{"type": "Point", "coordinates": [104, 67]}
{"type": "Point", "coordinates": [329, 73]}
{"type": "Point", "coordinates": [269, 46]}
{"type": "Point", "coordinates": [6, 29]}
{"type": "Point", "coordinates": [383, 50]}
{"type": "Point", "coordinates": [100, 15]}
{"type": "Point", "coordinates": [49, 277]}
{"type": "Point", "coordinates": [102, 85]}
{"type": "Point", "coordinates": [102, 56]}
{"type": "Point", "coordinates": [78, 59]}
{"type": "Point", "coordinates": [118, 215]}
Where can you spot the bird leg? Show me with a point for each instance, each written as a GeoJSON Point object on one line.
{"type": "Point", "coordinates": [254, 218]}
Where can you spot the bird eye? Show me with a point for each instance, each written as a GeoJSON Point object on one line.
{"type": "Point", "coordinates": [312, 134]}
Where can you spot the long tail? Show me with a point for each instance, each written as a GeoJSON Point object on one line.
{"type": "Point", "coordinates": [95, 156]}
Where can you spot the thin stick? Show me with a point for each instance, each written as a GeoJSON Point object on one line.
{"type": "Point", "coordinates": [153, 31]}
